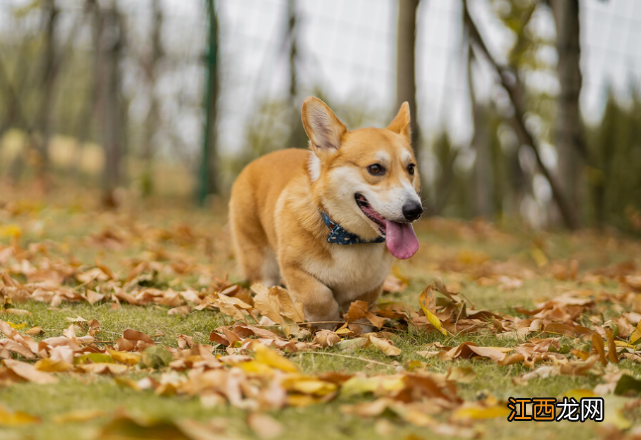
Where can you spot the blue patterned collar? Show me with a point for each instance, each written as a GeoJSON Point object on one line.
{"type": "Point", "coordinates": [338, 235]}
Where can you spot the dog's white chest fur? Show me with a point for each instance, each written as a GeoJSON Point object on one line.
{"type": "Point", "coordinates": [354, 270]}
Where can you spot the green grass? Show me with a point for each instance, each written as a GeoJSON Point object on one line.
{"type": "Point", "coordinates": [71, 227]}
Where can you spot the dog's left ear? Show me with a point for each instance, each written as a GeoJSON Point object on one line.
{"type": "Point", "coordinates": [401, 123]}
{"type": "Point", "coordinates": [322, 126]}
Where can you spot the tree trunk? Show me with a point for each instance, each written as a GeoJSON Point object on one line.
{"type": "Point", "coordinates": [569, 130]}
{"type": "Point", "coordinates": [111, 45]}
{"type": "Point", "coordinates": [208, 165]}
{"type": "Point", "coordinates": [483, 176]}
{"type": "Point", "coordinates": [406, 65]}
{"type": "Point", "coordinates": [297, 137]}
{"type": "Point", "coordinates": [153, 116]}
{"type": "Point", "coordinates": [91, 100]}
{"type": "Point", "coordinates": [49, 74]}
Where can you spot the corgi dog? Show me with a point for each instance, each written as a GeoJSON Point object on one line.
{"type": "Point", "coordinates": [328, 221]}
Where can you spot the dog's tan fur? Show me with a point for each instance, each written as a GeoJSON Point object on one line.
{"type": "Point", "coordinates": [278, 233]}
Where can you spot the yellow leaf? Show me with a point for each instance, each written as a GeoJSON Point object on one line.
{"type": "Point", "coordinates": [480, 412]}
{"type": "Point", "coordinates": [636, 334]}
{"type": "Point", "coordinates": [539, 257]}
{"type": "Point", "coordinates": [431, 317]}
{"type": "Point", "coordinates": [10, 231]}
{"type": "Point", "coordinates": [16, 418]}
{"type": "Point", "coordinates": [301, 400]}
{"type": "Point", "coordinates": [361, 385]}
{"type": "Point", "coordinates": [256, 367]}
{"type": "Point", "coordinates": [308, 385]}
{"type": "Point", "coordinates": [269, 357]}
{"type": "Point", "coordinates": [127, 382]}
{"type": "Point", "coordinates": [624, 344]}
{"type": "Point", "coordinates": [124, 357]}
{"type": "Point", "coordinates": [17, 326]}
{"type": "Point", "coordinates": [51, 366]}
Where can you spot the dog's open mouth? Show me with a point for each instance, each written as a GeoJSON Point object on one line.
{"type": "Point", "coordinates": [367, 209]}
{"type": "Point", "coordinates": [400, 238]}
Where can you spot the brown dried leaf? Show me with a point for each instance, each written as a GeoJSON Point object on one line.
{"type": "Point", "coordinates": [326, 338]}
{"type": "Point", "coordinates": [264, 426]}
{"type": "Point", "coordinates": [28, 372]}
{"type": "Point", "coordinates": [384, 345]}
{"type": "Point", "coordinates": [612, 348]}
{"type": "Point", "coordinates": [599, 348]}
{"type": "Point", "coordinates": [35, 331]}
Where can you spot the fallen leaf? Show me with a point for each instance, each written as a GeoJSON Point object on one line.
{"type": "Point", "coordinates": [8, 418]}
{"type": "Point", "coordinates": [35, 331]}
{"type": "Point", "coordinates": [102, 368]}
{"type": "Point", "coordinates": [461, 374]}
{"type": "Point", "coordinates": [612, 348]}
{"type": "Point", "coordinates": [269, 357]}
{"type": "Point", "coordinates": [597, 345]}
{"type": "Point", "coordinates": [480, 412]}
{"type": "Point", "coordinates": [29, 372]}
{"type": "Point", "coordinates": [384, 345]}
{"type": "Point", "coordinates": [155, 357]}
{"type": "Point", "coordinates": [628, 385]}
{"type": "Point", "coordinates": [129, 358]}
{"type": "Point", "coordinates": [326, 338]}
{"type": "Point", "coordinates": [423, 300]}
{"type": "Point", "coordinates": [264, 426]}
{"type": "Point", "coordinates": [52, 366]}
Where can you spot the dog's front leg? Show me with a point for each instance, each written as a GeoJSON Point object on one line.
{"type": "Point", "coordinates": [319, 303]}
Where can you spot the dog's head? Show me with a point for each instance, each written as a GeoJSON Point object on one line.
{"type": "Point", "coordinates": [366, 179]}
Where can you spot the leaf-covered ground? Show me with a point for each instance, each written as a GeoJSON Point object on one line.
{"type": "Point", "coordinates": [132, 324]}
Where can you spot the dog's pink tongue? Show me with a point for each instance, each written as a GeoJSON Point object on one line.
{"type": "Point", "coordinates": [400, 239]}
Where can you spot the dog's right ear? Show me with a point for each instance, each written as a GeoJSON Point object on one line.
{"type": "Point", "coordinates": [322, 126]}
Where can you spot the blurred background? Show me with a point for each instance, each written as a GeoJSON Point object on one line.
{"type": "Point", "coordinates": [526, 110]}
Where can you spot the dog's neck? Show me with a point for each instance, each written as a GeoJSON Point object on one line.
{"type": "Point", "coordinates": [339, 235]}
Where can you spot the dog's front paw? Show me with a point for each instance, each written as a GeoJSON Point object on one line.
{"type": "Point", "coordinates": [319, 322]}
{"type": "Point", "coordinates": [365, 325]}
{"type": "Point", "coordinates": [325, 326]}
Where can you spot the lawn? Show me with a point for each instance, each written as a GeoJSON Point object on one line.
{"type": "Point", "coordinates": [548, 315]}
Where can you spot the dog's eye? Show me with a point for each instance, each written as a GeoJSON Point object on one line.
{"type": "Point", "coordinates": [410, 169]}
{"type": "Point", "coordinates": [376, 170]}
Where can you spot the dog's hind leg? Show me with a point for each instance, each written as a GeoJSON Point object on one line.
{"type": "Point", "coordinates": [255, 257]}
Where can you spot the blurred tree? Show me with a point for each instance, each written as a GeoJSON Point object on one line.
{"type": "Point", "coordinates": [208, 165]}
{"type": "Point", "coordinates": [446, 183]}
{"type": "Point", "coordinates": [152, 122]}
{"type": "Point", "coordinates": [615, 179]}
{"type": "Point", "coordinates": [512, 84]}
{"type": "Point", "coordinates": [49, 74]}
{"type": "Point", "coordinates": [406, 66]}
{"type": "Point", "coordinates": [111, 44]}
{"type": "Point", "coordinates": [90, 99]}
{"type": "Point", "coordinates": [297, 137]}
{"type": "Point", "coordinates": [482, 186]}
{"type": "Point", "coordinates": [569, 137]}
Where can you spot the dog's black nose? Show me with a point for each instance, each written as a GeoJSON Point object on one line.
{"type": "Point", "coordinates": [412, 211]}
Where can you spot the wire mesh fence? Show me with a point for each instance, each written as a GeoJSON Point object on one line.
{"type": "Point", "coordinates": [271, 55]}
